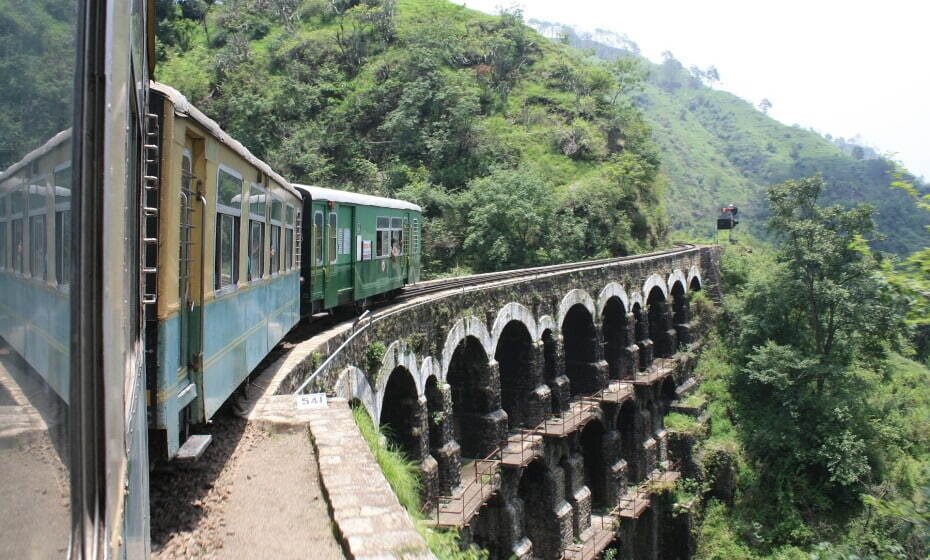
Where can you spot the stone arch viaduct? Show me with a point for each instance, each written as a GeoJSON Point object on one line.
{"type": "Point", "coordinates": [535, 407]}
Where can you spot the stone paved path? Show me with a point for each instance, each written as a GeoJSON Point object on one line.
{"type": "Point", "coordinates": [372, 523]}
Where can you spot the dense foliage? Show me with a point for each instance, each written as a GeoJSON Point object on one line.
{"type": "Point", "coordinates": [522, 151]}
{"type": "Point", "coordinates": [820, 438]}
{"type": "Point", "coordinates": [719, 149]}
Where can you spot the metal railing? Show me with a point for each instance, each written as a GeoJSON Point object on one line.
{"type": "Point", "coordinates": [604, 533]}
{"type": "Point", "coordinates": [481, 484]}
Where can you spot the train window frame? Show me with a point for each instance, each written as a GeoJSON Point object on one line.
{"type": "Point", "coordinates": [318, 225]}
{"type": "Point", "coordinates": [18, 229]}
{"type": "Point", "coordinates": [397, 236]}
{"type": "Point", "coordinates": [37, 230]}
{"type": "Point", "coordinates": [62, 227]}
{"type": "Point", "coordinates": [259, 219]}
{"type": "Point", "coordinates": [226, 212]}
{"type": "Point", "coordinates": [333, 235]}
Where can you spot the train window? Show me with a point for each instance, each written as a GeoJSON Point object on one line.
{"type": "Point", "coordinates": [275, 229]}
{"type": "Point", "coordinates": [318, 238]}
{"type": "Point", "coordinates": [383, 236]}
{"type": "Point", "coordinates": [256, 249]}
{"type": "Point", "coordinates": [62, 187]}
{"type": "Point", "coordinates": [228, 210]}
{"type": "Point", "coordinates": [38, 242]}
{"type": "Point", "coordinates": [333, 231]}
{"type": "Point", "coordinates": [289, 238]}
{"type": "Point", "coordinates": [3, 231]}
{"type": "Point", "coordinates": [257, 202]}
{"type": "Point", "coordinates": [397, 236]}
{"type": "Point", "coordinates": [416, 237]}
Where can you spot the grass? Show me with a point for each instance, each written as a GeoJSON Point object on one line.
{"type": "Point", "coordinates": [402, 475]}
{"type": "Point", "coordinates": [682, 423]}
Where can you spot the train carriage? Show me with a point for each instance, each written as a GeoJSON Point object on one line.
{"type": "Point", "coordinates": [228, 268]}
{"type": "Point", "coordinates": [357, 248]}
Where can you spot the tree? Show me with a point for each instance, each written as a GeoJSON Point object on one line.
{"type": "Point", "coordinates": [765, 105]}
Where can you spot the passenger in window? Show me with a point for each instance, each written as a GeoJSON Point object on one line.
{"type": "Point", "coordinates": [395, 249]}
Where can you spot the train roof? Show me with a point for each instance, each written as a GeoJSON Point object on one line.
{"type": "Point", "coordinates": [184, 107]}
{"type": "Point", "coordinates": [320, 193]}
{"type": "Point", "coordinates": [50, 145]}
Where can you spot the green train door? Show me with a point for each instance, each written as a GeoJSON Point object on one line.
{"type": "Point", "coordinates": [318, 252]}
{"type": "Point", "coordinates": [330, 281]}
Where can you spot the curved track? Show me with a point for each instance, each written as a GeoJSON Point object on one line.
{"type": "Point", "coordinates": [444, 284]}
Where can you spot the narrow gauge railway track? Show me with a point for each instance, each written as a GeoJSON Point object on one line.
{"type": "Point", "coordinates": [445, 284]}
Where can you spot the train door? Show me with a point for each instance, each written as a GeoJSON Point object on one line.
{"type": "Point", "coordinates": [190, 281]}
{"type": "Point", "coordinates": [330, 281]}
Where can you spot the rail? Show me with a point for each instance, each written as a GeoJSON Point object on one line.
{"type": "Point", "coordinates": [474, 280]}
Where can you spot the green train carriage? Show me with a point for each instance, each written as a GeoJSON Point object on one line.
{"type": "Point", "coordinates": [356, 248]}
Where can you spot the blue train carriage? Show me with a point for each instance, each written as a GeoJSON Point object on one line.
{"type": "Point", "coordinates": [358, 248]}
{"type": "Point", "coordinates": [228, 268]}
{"type": "Point", "coordinates": [35, 260]}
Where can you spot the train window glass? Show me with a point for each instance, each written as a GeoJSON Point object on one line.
{"type": "Point", "coordinates": [228, 210]}
{"type": "Point", "coordinates": [289, 238]}
{"type": "Point", "coordinates": [227, 255]}
{"type": "Point", "coordinates": [256, 249]}
{"type": "Point", "coordinates": [333, 231]}
{"type": "Point", "coordinates": [275, 248]}
{"type": "Point", "coordinates": [276, 213]}
{"type": "Point", "coordinates": [383, 236]}
{"type": "Point", "coordinates": [256, 202]}
{"type": "Point", "coordinates": [318, 237]}
{"type": "Point", "coordinates": [17, 239]}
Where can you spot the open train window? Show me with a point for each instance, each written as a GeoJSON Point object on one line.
{"type": "Point", "coordinates": [318, 238]}
{"type": "Point", "coordinates": [256, 264]}
{"type": "Point", "coordinates": [38, 242]}
{"type": "Point", "coordinates": [397, 237]}
{"type": "Point", "coordinates": [333, 231]}
{"type": "Point", "coordinates": [228, 211]}
{"type": "Point", "coordinates": [383, 232]}
{"type": "Point", "coordinates": [275, 229]}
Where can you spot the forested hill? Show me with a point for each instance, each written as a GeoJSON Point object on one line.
{"type": "Point", "coordinates": [718, 149]}
{"type": "Point", "coordinates": [522, 150]}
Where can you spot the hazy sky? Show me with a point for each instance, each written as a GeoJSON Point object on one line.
{"type": "Point", "coordinates": [842, 67]}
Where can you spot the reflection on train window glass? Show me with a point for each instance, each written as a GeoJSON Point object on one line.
{"type": "Point", "coordinates": [383, 232]}
{"type": "Point", "coordinates": [256, 249]}
{"type": "Point", "coordinates": [333, 230]}
{"type": "Point", "coordinates": [256, 202]}
{"type": "Point", "coordinates": [229, 189]}
{"type": "Point", "coordinates": [318, 237]}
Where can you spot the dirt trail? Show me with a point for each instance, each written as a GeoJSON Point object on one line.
{"type": "Point", "coordinates": [254, 494]}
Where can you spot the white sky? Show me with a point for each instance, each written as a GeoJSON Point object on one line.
{"type": "Point", "coordinates": [842, 67]}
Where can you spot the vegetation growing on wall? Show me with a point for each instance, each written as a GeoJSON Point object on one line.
{"type": "Point", "coordinates": [521, 151]}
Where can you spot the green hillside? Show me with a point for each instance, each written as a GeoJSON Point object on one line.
{"type": "Point", "coordinates": [718, 149]}
{"type": "Point", "coordinates": [522, 150]}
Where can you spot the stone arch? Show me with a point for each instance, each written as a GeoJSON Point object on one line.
{"type": "Point", "coordinates": [396, 355]}
{"type": "Point", "coordinates": [546, 323]}
{"type": "Point", "coordinates": [401, 413]}
{"type": "Point", "coordinates": [523, 398]}
{"type": "Point", "coordinates": [464, 327]}
{"type": "Point", "coordinates": [661, 331]}
{"type": "Point", "coordinates": [677, 276]}
{"type": "Point", "coordinates": [513, 311]}
{"type": "Point", "coordinates": [573, 298]}
{"type": "Point", "coordinates": [615, 331]}
{"type": "Point", "coordinates": [352, 384]}
{"type": "Point", "coordinates": [694, 274]}
{"type": "Point", "coordinates": [612, 290]}
{"type": "Point", "coordinates": [655, 281]}
{"type": "Point", "coordinates": [580, 339]}
{"type": "Point", "coordinates": [479, 424]}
